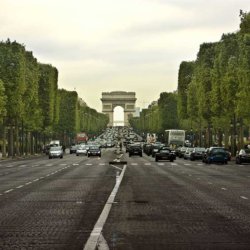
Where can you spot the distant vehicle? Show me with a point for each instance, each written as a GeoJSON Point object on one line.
{"type": "Point", "coordinates": [182, 151]}
{"type": "Point", "coordinates": [81, 138]}
{"type": "Point", "coordinates": [73, 149]}
{"type": "Point", "coordinates": [243, 156]}
{"type": "Point", "coordinates": [82, 150]}
{"type": "Point", "coordinates": [151, 138]}
{"type": "Point", "coordinates": [164, 153]}
{"type": "Point", "coordinates": [56, 152]}
{"type": "Point", "coordinates": [197, 154]}
{"type": "Point", "coordinates": [54, 143]}
{"type": "Point", "coordinates": [175, 137]}
{"type": "Point", "coordinates": [155, 148]}
{"type": "Point", "coordinates": [215, 154]}
{"type": "Point", "coordinates": [187, 153]}
{"type": "Point", "coordinates": [94, 151]}
{"type": "Point", "coordinates": [135, 149]}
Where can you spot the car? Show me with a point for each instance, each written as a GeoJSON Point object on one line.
{"type": "Point", "coordinates": [82, 150]}
{"type": "Point", "coordinates": [164, 153]}
{"type": "Point", "coordinates": [94, 150]}
{"type": "Point", "coordinates": [135, 149]}
{"type": "Point", "coordinates": [243, 156]}
{"type": "Point", "coordinates": [73, 149]}
{"type": "Point", "coordinates": [215, 154]}
{"type": "Point", "coordinates": [155, 148]}
{"type": "Point", "coordinates": [56, 152]}
{"type": "Point", "coordinates": [181, 152]}
{"type": "Point", "coordinates": [197, 153]}
{"type": "Point", "coordinates": [187, 153]}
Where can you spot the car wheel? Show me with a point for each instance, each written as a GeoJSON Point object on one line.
{"type": "Point", "coordinates": [225, 162]}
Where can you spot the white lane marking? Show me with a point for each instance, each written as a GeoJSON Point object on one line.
{"type": "Point", "coordinates": [200, 164]}
{"type": "Point", "coordinates": [35, 180]}
{"type": "Point", "coordinates": [116, 167]}
{"type": "Point", "coordinates": [224, 188]}
{"type": "Point", "coordinates": [20, 186]}
{"type": "Point", "coordinates": [147, 164]}
{"type": "Point", "coordinates": [96, 232]}
{"type": "Point", "coordinates": [89, 164]}
{"type": "Point", "coordinates": [75, 164]}
{"type": "Point", "coordinates": [101, 164]}
{"type": "Point", "coordinates": [28, 183]}
{"type": "Point", "coordinates": [9, 166]}
{"type": "Point", "coordinates": [102, 243]}
{"type": "Point", "coordinates": [160, 164]}
{"type": "Point", "coordinates": [134, 164]}
{"type": "Point", "coordinates": [210, 183]}
{"type": "Point", "coordinates": [174, 164]}
{"type": "Point", "coordinates": [22, 166]}
{"type": "Point", "coordinates": [244, 197]}
{"type": "Point", "coordinates": [187, 164]}
{"type": "Point", "coordinates": [7, 191]}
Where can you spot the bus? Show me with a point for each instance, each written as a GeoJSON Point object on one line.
{"type": "Point", "coordinates": [175, 137]}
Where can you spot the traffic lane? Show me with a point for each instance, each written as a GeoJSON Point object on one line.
{"type": "Point", "coordinates": [24, 172]}
{"type": "Point", "coordinates": [232, 178]}
{"type": "Point", "coordinates": [57, 212]}
{"type": "Point", "coordinates": [159, 208]}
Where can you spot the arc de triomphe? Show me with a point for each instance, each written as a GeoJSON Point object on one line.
{"type": "Point", "coordinates": [126, 100]}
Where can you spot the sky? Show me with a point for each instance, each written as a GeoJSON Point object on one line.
{"type": "Point", "coordinates": [117, 45]}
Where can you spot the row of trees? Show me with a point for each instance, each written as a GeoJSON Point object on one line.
{"type": "Point", "coordinates": [32, 108]}
{"type": "Point", "coordinates": [213, 97]}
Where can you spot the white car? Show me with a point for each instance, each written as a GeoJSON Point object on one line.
{"type": "Point", "coordinates": [82, 150]}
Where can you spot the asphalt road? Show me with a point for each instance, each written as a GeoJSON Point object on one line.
{"type": "Point", "coordinates": [77, 202]}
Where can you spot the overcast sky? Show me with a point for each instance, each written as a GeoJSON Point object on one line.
{"type": "Point", "coordinates": [118, 45]}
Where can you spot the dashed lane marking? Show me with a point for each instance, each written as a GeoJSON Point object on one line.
{"type": "Point", "coordinates": [134, 164]}
{"type": "Point", "coordinates": [160, 164]}
{"type": "Point", "coordinates": [89, 164]}
{"type": "Point", "coordinates": [8, 191]}
{"type": "Point", "coordinates": [244, 197]}
{"type": "Point", "coordinates": [147, 164]}
{"type": "Point", "coordinates": [37, 179]}
{"type": "Point", "coordinates": [224, 188]}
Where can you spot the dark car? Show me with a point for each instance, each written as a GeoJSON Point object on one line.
{"type": "Point", "coordinates": [197, 153]}
{"type": "Point", "coordinates": [135, 149]}
{"type": "Point", "coordinates": [164, 153]}
{"type": "Point", "coordinates": [73, 149]}
{"type": "Point", "coordinates": [215, 154]}
{"type": "Point", "coordinates": [243, 156]}
{"type": "Point", "coordinates": [94, 150]}
{"type": "Point", "coordinates": [55, 152]}
{"type": "Point", "coordinates": [155, 148]}
{"type": "Point", "coordinates": [147, 148]}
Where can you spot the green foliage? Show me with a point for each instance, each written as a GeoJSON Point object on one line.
{"type": "Point", "coordinates": [2, 100]}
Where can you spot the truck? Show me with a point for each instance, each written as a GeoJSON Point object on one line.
{"type": "Point", "coordinates": [81, 138]}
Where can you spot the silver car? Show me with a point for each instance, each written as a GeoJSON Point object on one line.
{"type": "Point", "coordinates": [82, 150]}
{"type": "Point", "coordinates": [55, 152]}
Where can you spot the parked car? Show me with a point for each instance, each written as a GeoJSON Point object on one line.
{"type": "Point", "coordinates": [187, 153]}
{"type": "Point", "coordinates": [197, 154]}
{"type": "Point", "coordinates": [135, 149]}
{"type": "Point", "coordinates": [94, 151]}
{"type": "Point", "coordinates": [82, 150]}
{"type": "Point", "coordinates": [164, 153]}
{"type": "Point", "coordinates": [215, 154]}
{"type": "Point", "coordinates": [243, 156]}
{"type": "Point", "coordinates": [55, 152]}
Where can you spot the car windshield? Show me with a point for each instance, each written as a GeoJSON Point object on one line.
{"type": "Point", "coordinates": [93, 147]}
{"type": "Point", "coordinates": [218, 150]}
{"type": "Point", "coordinates": [55, 148]}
